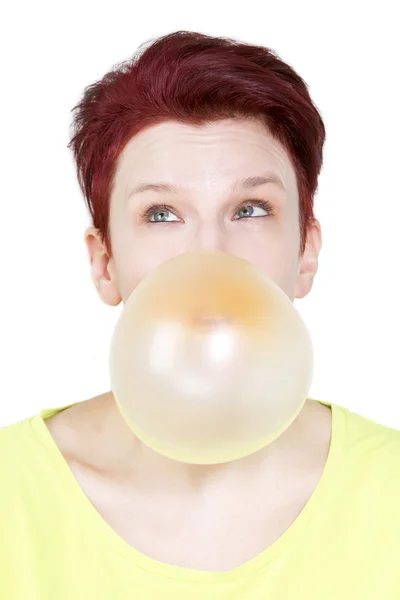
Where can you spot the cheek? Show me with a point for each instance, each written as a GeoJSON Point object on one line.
{"type": "Point", "coordinates": [276, 257]}
{"type": "Point", "coordinates": [283, 272]}
{"type": "Point", "coordinates": [137, 260]}
{"type": "Point", "coordinates": [281, 269]}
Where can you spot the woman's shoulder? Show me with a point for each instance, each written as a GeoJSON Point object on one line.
{"type": "Point", "coordinates": [368, 462]}
{"type": "Point", "coordinates": [28, 444]}
{"type": "Point", "coordinates": [21, 453]}
{"type": "Point", "coordinates": [15, 439]}
{"type": "Point", "coordinates": [365, 433]}
{"type": "Point", "coordinates": [36, 444]}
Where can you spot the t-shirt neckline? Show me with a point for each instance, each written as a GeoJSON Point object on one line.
{"type": "Point", "coordinates": [98, 527]}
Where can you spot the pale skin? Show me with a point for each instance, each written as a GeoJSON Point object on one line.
{"type": "Point", "coordinates": [201, 517]}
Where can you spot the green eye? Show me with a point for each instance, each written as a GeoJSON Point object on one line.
{"type": "Point", "coordinates": [250, 209]}
{"type": "Point", "coordinates": [246, 211]}
{"type": "Point", "coordinates": [160, 214]}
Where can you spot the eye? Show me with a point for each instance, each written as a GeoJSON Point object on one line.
{"type": "Point", "coordinates": [162, 213]}
{"type": "Point", "coordinates": [159, 213]}
{"type": "Point", "coordinates": [251, 208]}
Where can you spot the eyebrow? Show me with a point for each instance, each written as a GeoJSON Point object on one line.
{"type": "Point", "coordinates": [247, 183]}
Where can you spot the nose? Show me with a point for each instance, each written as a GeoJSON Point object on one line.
{"type": "Point", "coordinates": [208, 237]}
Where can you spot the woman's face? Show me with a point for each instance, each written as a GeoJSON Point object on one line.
{"type": "Point", "coordinates": [224, 186]}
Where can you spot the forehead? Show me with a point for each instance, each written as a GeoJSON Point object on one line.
{"type": "Point", "coordinates": [197, 154]}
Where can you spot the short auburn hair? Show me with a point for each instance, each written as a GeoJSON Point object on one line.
{"type": "Point", "coordinates": [196, 79]}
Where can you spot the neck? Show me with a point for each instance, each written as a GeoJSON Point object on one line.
{"type": "Point", "coordinates": [154, 471]}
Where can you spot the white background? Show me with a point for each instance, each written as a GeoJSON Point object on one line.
{"type": "Point", "coordinates": [55, 332]}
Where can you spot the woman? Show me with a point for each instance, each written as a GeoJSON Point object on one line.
{"type": "Point", "coordinates": [198, 143]}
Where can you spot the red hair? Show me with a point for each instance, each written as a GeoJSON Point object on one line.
{"type": "Point", "coordinates": [196, 79]}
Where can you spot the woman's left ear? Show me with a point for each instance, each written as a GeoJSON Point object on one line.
{"type": "Point", "coordinates": [308, 261]}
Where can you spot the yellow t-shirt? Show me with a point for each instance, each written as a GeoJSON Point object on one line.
{"type": "Point", "coordinates": [344, 545]}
